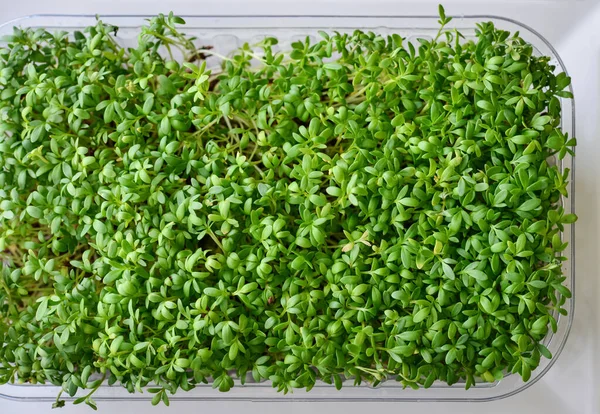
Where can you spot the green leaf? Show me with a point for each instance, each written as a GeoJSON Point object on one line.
{"type": "Point", "coordinates": [409, 335]}
{"type": "Point", "coordinates": [544, 351]}
{"type": "Point", "coordinates": [539, 122]}
{"type": "Point", "coordinates": [360, 289]}
{"type": "Point", "coordinates": [156, 398]}
{"type": "Point", "coordinates": [34, 212]}
{"type": "Point", "coordinates": [99, 226]}
{"type": "Point", "coordinates": [303, 242]}
{"type": "Point", "coordinates": [441, 12]}
{"type": "Point", "coordinates": [530, 204]}
{"type": "Point", "coordinates": [409, 202]}
{"type": "Point", "coordinates": [481, 187]}
{"type": "Point", "coordinates": [476, 274]}
{"type": "Point", "coordinates": [568, 219]}
{"type": "Point", "coordinates": [537, 284]}
{"type": "Point", "coordinates": [42, 309]}
{"type": "Point", "coordinates": [421, 315]}
{"type": "Point", "coordinates": [485, 105]}
{"type": "Point", "coordinates": [448, 272]}
{"type": "Point", "coordinates": [148, 105]}
{"type": "Point", "coordinates": [332, 66]}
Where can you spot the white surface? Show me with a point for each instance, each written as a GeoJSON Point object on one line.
{"type": "Point", "coordinates": [572, 386]}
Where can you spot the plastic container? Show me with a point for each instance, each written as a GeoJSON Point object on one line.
{"type": "Point", "coordinates": [226, 33]}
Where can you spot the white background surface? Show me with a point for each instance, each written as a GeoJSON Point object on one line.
{"type": "Point", "coordinates": [572, 386]}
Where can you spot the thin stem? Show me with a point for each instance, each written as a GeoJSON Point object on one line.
{"type": "Point", "coordinates": [200, 132]}
{"type": "Point", "coordinates": [214, 238]}
{"type": "Point", "coordinates": [213, 53]}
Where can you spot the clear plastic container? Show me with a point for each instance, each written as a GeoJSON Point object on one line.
{"type": "Point", "coordinates": [226, 33]}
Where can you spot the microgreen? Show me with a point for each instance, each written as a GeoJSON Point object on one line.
{"type": "Point", "coordinates": [358, 207]}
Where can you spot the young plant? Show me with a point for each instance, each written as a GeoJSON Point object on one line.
{"type": "Point", "coordinates": [355, 208]}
